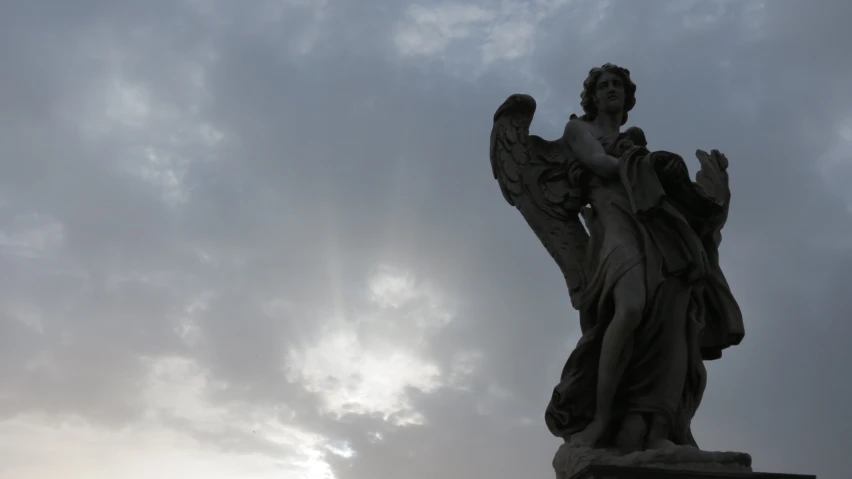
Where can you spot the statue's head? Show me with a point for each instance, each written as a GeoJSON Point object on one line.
{"type": "Point", "coordinates": [608, 88]}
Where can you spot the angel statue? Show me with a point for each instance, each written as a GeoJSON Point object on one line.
{"type": "Point", "coordinates": [642, 268]}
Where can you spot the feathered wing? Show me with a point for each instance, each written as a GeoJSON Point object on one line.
{"type": "Point", "coordinates": [543, 181]}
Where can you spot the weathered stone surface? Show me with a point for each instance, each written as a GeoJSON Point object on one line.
{"type": "Point", "coordinates": [642, 268]}
{"type": "Point", "coordinates": [570, 460]}
{"type": "Point", "coordinates": [625, 472]}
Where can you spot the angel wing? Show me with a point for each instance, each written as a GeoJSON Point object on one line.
{"type": "Point", "coordinates": [543, 180]}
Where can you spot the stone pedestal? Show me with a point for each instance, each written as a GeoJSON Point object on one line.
{"type": "Point", "coordinates": [624, 472]}
{"type": "Point", "coordinates": [676, 463]}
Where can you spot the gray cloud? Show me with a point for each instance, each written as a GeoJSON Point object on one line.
{"type": "Point", "coordinates": [222, 185]}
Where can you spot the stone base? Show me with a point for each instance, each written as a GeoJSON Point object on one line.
{"type": "Point", "coordinates": [675, 463]}
{"type": "Point", "coordinates": [623, 472]}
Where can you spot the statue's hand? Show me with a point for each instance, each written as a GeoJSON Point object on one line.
{"type": "Point", "coordinates": [715, 162]}
{"type": "Point", "coordinates": [628, 139]}
{"type": "Point", "coordinates": [713, 175]}
{"type": "Point", "coordinates": [623, 145]}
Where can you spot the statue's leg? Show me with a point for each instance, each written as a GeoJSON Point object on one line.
{"type": "Point", "coordinates": [671, 387]}
{"type": "Point", "coordinates": [629, 299]}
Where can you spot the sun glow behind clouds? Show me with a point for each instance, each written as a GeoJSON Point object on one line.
{"type": "Point", "coordinates": [365, 366]}
{"type": "Point", "coordinates": [355, 379]}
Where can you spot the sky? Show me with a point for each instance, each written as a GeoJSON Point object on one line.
{"type": "Point", "coordinates": [262, 239]}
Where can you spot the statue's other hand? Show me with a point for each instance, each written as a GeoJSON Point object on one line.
{"type": "Point", "coordinates": [623, 145]}
{"type": "Point", "coordinates": [715, 162]}
{"type": "Point", "coordinates": [721, 159]}
{"type": "Point", "coordinates": [713, 175]}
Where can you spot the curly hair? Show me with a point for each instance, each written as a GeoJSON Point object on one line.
{"type": "Point", "coordinates": [587, 97]}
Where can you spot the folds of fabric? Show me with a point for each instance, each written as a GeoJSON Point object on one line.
{"type": "Point", "coordinates": [642, 220]}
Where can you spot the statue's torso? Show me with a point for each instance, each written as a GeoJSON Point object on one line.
{"type": "Point", "coordinates": [610, 205]}
{"type": "Point", "coordinates": [602, 190]}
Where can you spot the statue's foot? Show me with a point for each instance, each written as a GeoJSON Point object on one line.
{"type": "Point", "coordinates": [631, 436]}
{"type": "Point", "coordinates": [589, 436]}
{"type": "Point", "coordinates": [658, 444]}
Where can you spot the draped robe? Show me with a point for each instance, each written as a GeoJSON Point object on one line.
{"type": "Point", "coordinates": [671, 227]}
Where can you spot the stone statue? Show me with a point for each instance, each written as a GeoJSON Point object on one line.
{"type": "Point", "coordinates": [643, 272]}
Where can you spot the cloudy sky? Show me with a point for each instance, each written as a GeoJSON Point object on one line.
{"type": "Point", "coordinates": [261, 239]}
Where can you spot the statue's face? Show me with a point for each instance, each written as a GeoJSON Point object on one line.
{"type": "Point", "coordinates": [609, 93]}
